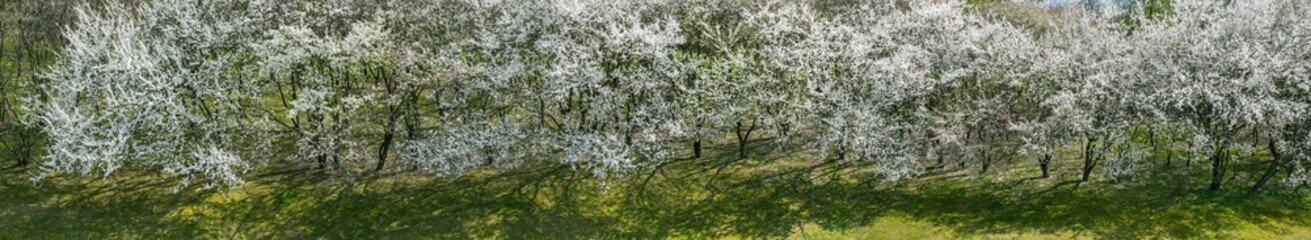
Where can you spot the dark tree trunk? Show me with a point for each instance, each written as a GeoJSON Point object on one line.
{"type": "Point", "coordinates": [387, 137]}
{"type": "Point", "coordinates": [1217, 169]}
{"type": "Point", "coordinates": [1265, 177]}
{"type": "Point", "coordinates": [1275, 164]}
{"type": "Point", "coordinates": [1188, 162]}
{"type": "Point", "coordinates": [322, 161]}
{"type": "Point", "coordinates": [1043, 164]}
{"type": "Point", "coordinates": [742, 149]}
{"type": "Point", "coordinates": [382, 151]}
{"type": "Point", "coordinates": [1088, 162]}
{"type": "Point", "coordinates": [1087, 170]}
{"type": "Point", "coordinates": [842, 153]}
{"type": "Point", "coordinates": [742, 137]}
{"type": "Point", "coordinates": [741, 141]}
{"type": "Point", "coordinates": [25, 157]}
{"type": "Point", "coordinates": [941, 163]}
{"type": "Point", "coordinates": [696, 148]}
{"type": "Point", "coordinates": [696, 143]}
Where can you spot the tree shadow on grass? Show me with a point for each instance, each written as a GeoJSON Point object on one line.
{"type": "Point", "coordinates": [406, 206]}
{"type": "Point", "coordinates": [776, 207]}
{"type": "Point", "coordinates": [1145, 210]}
{"type": "Point", "coordinates": [91, 209]}
{"type": "Point", "coordinates": [556, 203]}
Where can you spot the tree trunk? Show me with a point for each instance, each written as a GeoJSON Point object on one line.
{"type": "Point", "coordinates": [382, 151]}
{"type": "Point", "coordinates": [940, 158]}
{"type": "Point", "coordinates": [1275, 164]}
{"type": "Point", "coordinates": [742, 137]}
{"type": "Point", "coordinates": [696, 148]}
{"type": "Point", "coordinates": [1088, 161]}
{"type": "Point", "coordinates": [1267, 176]}
{"type": "Point", "coordinates": [842, 153]}
{"type": "Point", "coordinates": [389, 134]}
{"type": "Point", "coordinates": [741, 141]}
{"type": "Point", "coordinates": [1043, 164]}
{"type": "Point", "coordinates": [742, 149]}
{"type": "Point", "coordinates": [1188, 162]}
{"type": "Point", "coordinates": [322, 161]}
{"type": "Point", "coordinates": [1217, 169]}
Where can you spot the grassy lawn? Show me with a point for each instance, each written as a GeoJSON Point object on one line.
{"type": "Point", "coordinates": [783, 198]}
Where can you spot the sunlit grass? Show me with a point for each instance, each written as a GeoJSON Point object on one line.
{"type": "Point", "coordinates": [751, 199]}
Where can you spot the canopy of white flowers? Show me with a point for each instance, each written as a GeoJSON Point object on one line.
{"type": "Point", "coordinates": [210, 90]}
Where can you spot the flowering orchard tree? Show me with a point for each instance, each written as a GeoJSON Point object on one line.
{"type": "Point", "coordinates": [155, 89]}
{"type": "Point", "coordinates": [1226, 70]}
{"type": "Point", "coordinates": [207, 91]}
{"type": "Point", "coordinates": [1087, 95]}
{"type": "Point", "coordinates": [587, 83]}
{"type": "Point", "coordinates": [329, 86]}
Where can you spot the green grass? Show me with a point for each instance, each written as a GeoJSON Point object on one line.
{"type": "Point", "coordinates": [781, 198]}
